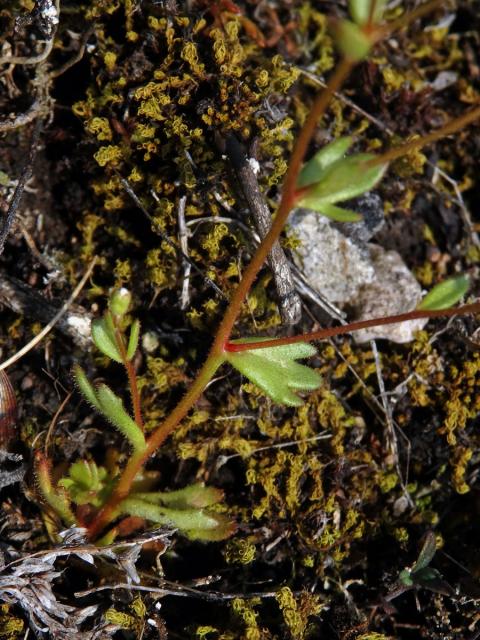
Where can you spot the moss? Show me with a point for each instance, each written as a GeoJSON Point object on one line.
{"type": "Point", "coordinates": [297, 611]}
{"type": "Point", "coordinates": [11, 627]}
{"type": "Point", "coordinates": [240, 552]}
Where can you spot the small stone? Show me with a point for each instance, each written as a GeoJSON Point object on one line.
{"type": "Point", "coordinates": [333, 264]}
{"type": "Point", "coordinates": [394, 290]}
{"type": "Point", "coordinates": [352, 274]}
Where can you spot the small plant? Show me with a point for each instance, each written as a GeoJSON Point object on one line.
{"type": "Point", "coordinates": [421, 574]}
{"type": "Point", "coordinates": [97, 497]}
{"type": "Point", "coordinates": [87, 487]}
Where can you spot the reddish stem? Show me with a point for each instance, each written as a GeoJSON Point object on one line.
{"type": "Point", "coordinates": [131, 373]}
{"type": "Point", "coordinates": [286, 203]}
{"type": "Point", "coordinates": [322, 334]}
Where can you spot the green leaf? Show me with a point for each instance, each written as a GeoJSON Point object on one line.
{"type": "Point", "coordinates": [103, 336]}
{"type": "Point", "coordinates": [360, 10]}
{"type": "Point", "coordinates": [352, 41]}
{"type": "Point", "coordinates": [275, 371]}
{"type": "Point", "coordinates": [86, 483]}
{"type": "Point", "coordinates": [194, 523]}
{"type": "Point", "coordinates": [224, 529]}
{"type": "Point", "coordinates": [345, 179]}
{"type": "Point", "coordinates": [313, 170]}
{"type": "Point", "coordinates": [426, 575]}
{"type": "Point", "coordinates": [195, 495]}
{"type": "Point", "coordinates": [112, 408]}
{"type": "Point", "coordinates": [337, 213]}
{"type": "Point", "coordinates": [427, 552]}
{"type": "Point", "coordinates": [445, 294]}
{"type": "Point", "coordinates": [133, 339]}
{"type": "Point", "coordinates": [85, 387]}
{"type": "Point", "coordinates": [406, 578]}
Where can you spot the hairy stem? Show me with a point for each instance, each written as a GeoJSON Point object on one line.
{"type": "Point", "coordinates": [132, 376]}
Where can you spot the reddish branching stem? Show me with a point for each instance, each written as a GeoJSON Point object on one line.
{"type": "Point", "coordinates": [323, 334]}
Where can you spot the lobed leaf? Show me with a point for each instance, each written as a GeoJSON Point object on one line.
{"type": "Point", "coordinates": [194, 523]}
{"type": "Point", "coordinates": [445, 294]}
{"type": "Point", "coordinates": [86, 483]}
{"type": "Point", "coordinates": [275, 370]}
{"type": "Point", "coordinates": [196, 495]}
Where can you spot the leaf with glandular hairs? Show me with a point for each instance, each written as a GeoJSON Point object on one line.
{"type": "Point", "coordinates": [112, 408]}
{"type": "Point", "coordinates": [275, 370]}
{"type": "Point", "coordinates": [194, 523]}
{"type": "Point", "coordinates": [85, 387]}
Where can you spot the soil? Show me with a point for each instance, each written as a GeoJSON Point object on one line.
{"type": "Point", "coordinates": [358, 514]}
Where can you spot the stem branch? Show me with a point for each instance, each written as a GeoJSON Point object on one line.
{"type": "Point", "coordinates": [323, 334]}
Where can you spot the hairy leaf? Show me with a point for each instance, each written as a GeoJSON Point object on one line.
{"type": "Point", "coordinates": [275, 370]}
{"type": "Point", "coordinates": [112, 408]}
{"type": "Point", "coordinates": [133, 339]}
{"type": "Point", "coordinates": [196, 495]}
{"type": "Point", "coordinates": [86, 483]}
{"type": "Point", "coordinates": [85, 387]}
{"type": "Point", "coordinates": [194, 523]}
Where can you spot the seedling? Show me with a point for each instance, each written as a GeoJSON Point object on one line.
{"type": "Point", "coordinates": [421, 574]}
{"type": "Point", "coordinates": [87, 487]}
{"type": "Point", "coordinates": [98, 497]}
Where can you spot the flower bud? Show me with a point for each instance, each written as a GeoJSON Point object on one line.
{"type": "Point", "coordinates": [120, 301]}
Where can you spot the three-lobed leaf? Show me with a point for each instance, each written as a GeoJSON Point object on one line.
{"type": "Point", "coordinates": [196, 496]}
{"type": "Point", "coordinates": [194, 522]}
{"type": "Point", "coordinates": [275, 370]}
